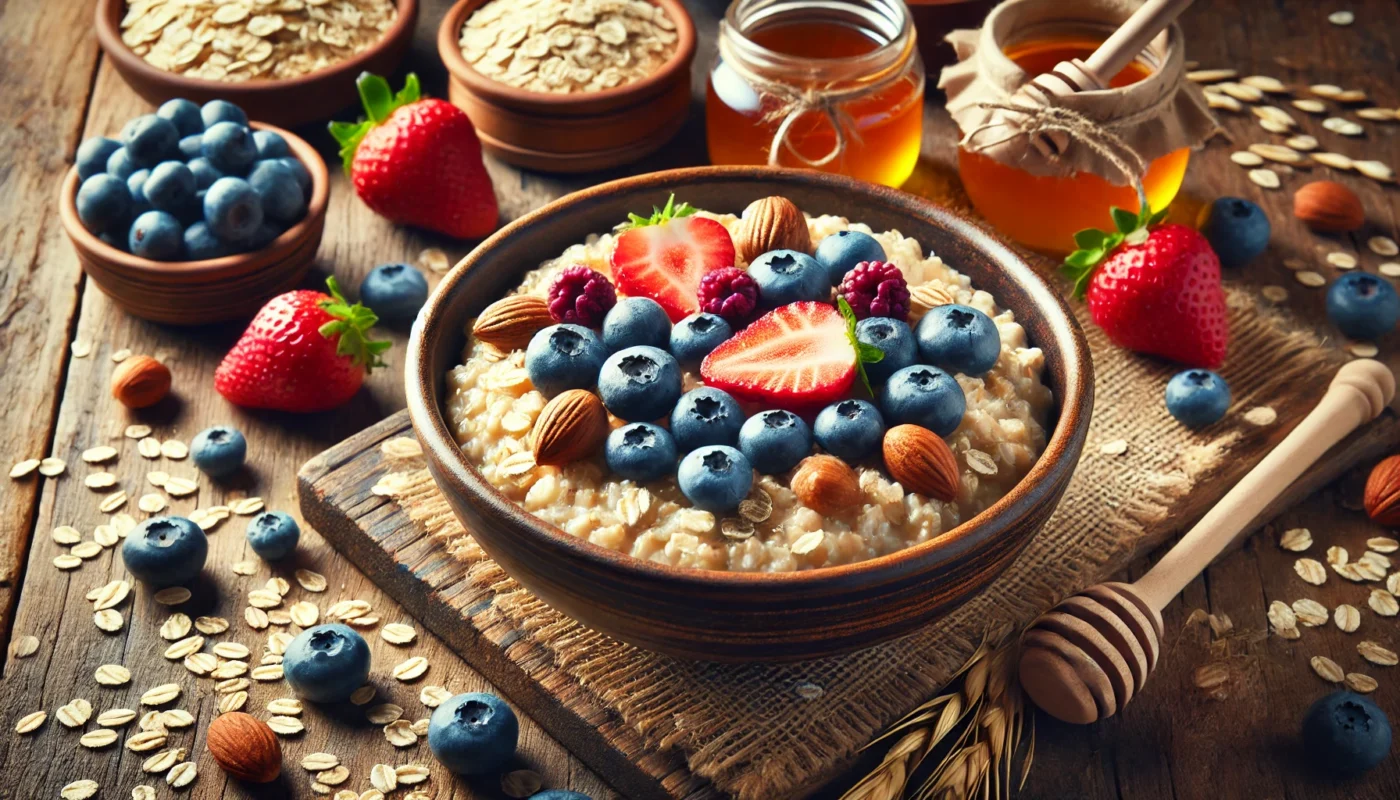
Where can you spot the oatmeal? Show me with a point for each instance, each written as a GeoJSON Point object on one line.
{"type": "Point", "coordinates": [493, 406]}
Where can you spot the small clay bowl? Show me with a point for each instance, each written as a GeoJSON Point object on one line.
{"type": "Point", "coordinates": [571, 132]}
{"type": "Point", "coordinates": [735, 616]}
{"type": "Point", "coordinates": [289, 103]}
{"type": "Point", "coordinates": [213, 290]}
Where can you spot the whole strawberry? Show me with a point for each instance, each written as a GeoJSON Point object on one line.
{"type": "Point", "coordinates": [1153, 288]}
{"type": "Point", "coordinates": [304, 351]}
{"type": "Point", "coordinates": [417, 161]}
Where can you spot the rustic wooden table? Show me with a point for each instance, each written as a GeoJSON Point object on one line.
{"type": "Point", "coordinates": [1174, 741]}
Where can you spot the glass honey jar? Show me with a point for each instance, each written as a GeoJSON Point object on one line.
{"type": "Point", "coordinates": [833, 85]}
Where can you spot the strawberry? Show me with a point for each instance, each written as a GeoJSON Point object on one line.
{"type": "Point", "coordinates": [799, 356]}
{"type": "Point", "coordinates": [664, 256]}
{"type": "Point", "coordinates": [304, 351]}
{"type": "Point", "coordinates": [417, 161]}
{"type": "Point", "coordinates": [1153, 288]}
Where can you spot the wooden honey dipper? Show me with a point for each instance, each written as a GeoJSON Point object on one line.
{"type": "Point", "coordinates": [1084, 659]}
{"type": "Point", "coordinates": [1094, 72]}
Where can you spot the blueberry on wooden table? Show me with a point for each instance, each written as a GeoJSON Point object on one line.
{"type": "Point", "coordinates": [639, 384]}
{"type": "Point", "coordinates": [1237, 230]}
{"type": "Point", "coordinates": [473, 733]}
{"type": "Point", "coordinates": [849, 429]}
{"type": "Point", "coordinates": [219, 451]}
{"type": "Point", "coordinates": [958, 338]}
{"type": "Point", "coordinates": [715, 478]}
{"type": "Point", "coordinates": [695, 336]}
{"type": "Point", "coordinates": [327, 663]}
{"type": "Point", "coordinates": [563, 357]}
{"type": "Point", "coordinates": [1346, 734]}
{"type": "Point", "coordinates": [705, 415]}
{"type": "Point", "coordinates": [840, 252]}
{"type": "Point", "coordinates": [165, 551]}
{"type": "Point", "coordinates": [395, 292]}
{"type": "Point", "coordinates": [636, 321]}
{"type": "Point", "coordinates": [641, 452]}
{"type": "Point", "coordinates": [1197, 397]}
{"type": "Point", "coordinates": [1363, 306]}
{"type": "Point", "coordinates": [774, 441]}
{"type": "Point", "coordinates": [273, 535]}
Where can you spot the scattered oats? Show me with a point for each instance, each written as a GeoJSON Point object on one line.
{"type": "Point", "coordinates": [334, 776]}
{"type": "Point", "coordinates": [521, 783]}
{"type": "Point", "coordinates": [364, 622]}
{"type": "Point", "coordinates": [285, 726]}
{"type": "Point", "coordinates": [226, 670]}
{"type": "Point", "coordinates": [1274, 294]}
{"type": "Point", "coordinates": [1246, 159]}
{"type": "Point", "coordinates": [232, 685]}
{"type": "Point", "coordinates": [1310, 279]}
{"type": "Point", "coordinates": [232, 702]}
{"type": "Point", "coordinates": [99, 738]}
{"type": "Point", "coordinates": [1341, 18]}
{"type": "Point", "coordinates": [160, 695]}
{"type": "Point", "coordinates": [434, 259]}
{"type": "Point", "coordinates": [285, 706]}
{"type": "Point", "coordinates": [24, 468]}
{"type": "Point", "coordinates": [1277, 152]}
{"type": "Point", "coordinates": [1337, 556]}
{"type": "Point", "coordinates": [86, 550]}
{"type": "Point", "coordinates": [176, 718]}
{"type": "Point", "coordinates": [1383, 603]}
{"type": "Point", "coordinates": [1211, 676]}
{"type": "Point", "coordinates": [311, 581]}
{"type": "Point", "coordinates": [52, 467]}
{"type": "Point", "coordinates": [1375, 170]}
{"type": "Point", "coordinates": [268, 672]}
{"type": "Point", "coordinates": [143, 793]}
{"type": "Point", "coordinates": [1266, 178]}
{"type": "Point", "coordinates": [110, 595]}
{"type": "Point", "coordinates": [410, 774]}
{"type": "Point", "coordinates": [174, 449]}
{"type": "Point", "coordinates": [246, 506]}
{"type": "Point", "coordinates": [279, 616]}
{"type": "Point", "coordinates": [100, 454]}
{"type": "Point", "coordinates": [256, 618]}
{"type": "Point", "coordinates": [1265, 83]}
{"type": "Point", "coordinates": [1220, 625]}
{"type": "Point", "coordinates": [115, 717]}
{"type": "Point", "coordinates": [75, 714]}
{"type": "Point", "coordinates": [1363, 349]}
{"type": "Point", "coordinates": [1303, 143]}
{"type": "Point", "coordinates": [145, 741]}
{"type": "Point", "coordinates": [1224, 102]}
{"type": "Point", "coordinates": [1359, 682]}
{"type": "Point", "coordinates": [1343, 126]}
{"type": "Point", "coordinates": [401, 447]}
{"type": "Point", "coordinates": [384, 714]}
{"type": "Point", "coordinates": [172, 595]}
{"type": "Point", "coordinates": [176, 626]}
{"type": "Point", "coordinates": [1383, 246]}
{"type": "Point", "coordinates": [1347, 618]}
{"type": "Point", "coordinates": [244, 567]}
{"type": "Point", "coordinates": [109, 620]}
{"type": "Point", "coordinates": [105, 536]}
{"type": "Point", "coordinates": [348, 609]}
{"type": "Point", "coordinates": [1325, 90]}
{"type": "Point", "coordinates": [100, 480]}
{"type": "Point", "coordinates": [305, 614]}
{"type": "Point", "coordinates": [182, 774]}
{"type": "Point", "coordinates": [82, 789]}
{"type": "Point", "coordinates": [420, 726]}
{"type": "Point", "coordinates": [25, 646]}
{"type": "Point", "coordinates": [1376, 654]}
{"type": "Point", "coordinates": [412, 669]}
{"type": "Point", "coordinates": [1211, 75]}
{"type": "Point", "coordinates": [184, 647]}
{"type": "Point", "coordinates": [1311, 571]}
{"type": "Point", "coordinates": [212, 626]}
{"type": "Point", "coordinates": [1260, 415]}
{"type": "Point", "coordinates": [148, 447]}
{"type": "Point", "coordinates": [30, 722]}
{"type": "Point", "coordinates": [162, 761]}
{"type": "Point", "coordinates": [277, 642]}
{"type": "Point", "coordinates": [434, 696]}
{"type": "Point", "coordinates": [1327, 669]}
{"type": "Point", "coordinates": [137, 431]}
{"type": "Point", "coordinates": [1333, 160]}
{"type": "Point", "coordinates": [398, 633]}
{"type": "Point", "coordinates": [1310, 105]}
{"type": "Point", "coordinates": [1241, 92]}
{"type": "Point", "coordinates": [180, 487]}
{"type": "Point", "coordinates": [1341, 260]}
{"type": "Point", "coordinates": [1392, 584]}
{"type": "Point", "coordinates": [67, 561]}
{"type": "Point", "coordinates": [264, 599]}
{"type": "Point", "coordinates": [1310, 612]}
{"type": "Point", "coordinates": [318, 762]}
{"type": "Point", "coordinates": [122, 524]}
{"type": "Point", "coordinates": [209, 518]}
{"type": "Point", "coordinates": [1383, 544]}
{"type": "Point", "coordinates": [279, 585]}
{"type": "Point", "coordinates": [66, 535]}
{"type": "Point", "coordinates": [383, 778]}
{"type": "Point", "coordinates": [112, 675]}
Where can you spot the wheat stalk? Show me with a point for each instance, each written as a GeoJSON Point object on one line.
{"type": "Point", "coordinates": [975, 728]}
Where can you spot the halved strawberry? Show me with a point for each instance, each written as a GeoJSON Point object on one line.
{"type": "Point", "coordinates": [665, 255]}
{"type": "Point", "coordinates": [799, 357]}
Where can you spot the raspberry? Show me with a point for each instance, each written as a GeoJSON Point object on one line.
{"type": "Point", "coordinates": [581, 296]}
{"type": "Point", "coordinates": [729, 292]}
{"type": "Point", "coordinates": [876, 289]}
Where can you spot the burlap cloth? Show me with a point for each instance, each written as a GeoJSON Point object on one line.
{"type": "Point", "coordinates": [770, 732]}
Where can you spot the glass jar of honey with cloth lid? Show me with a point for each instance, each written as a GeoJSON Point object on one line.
{"type": "Point", "coordinates": [833, 85]}
{"type": "Point", "coordinates": [1133, 136]}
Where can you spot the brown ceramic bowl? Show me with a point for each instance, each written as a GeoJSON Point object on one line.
{"type": "Point", "coordinates": [571, 132]}
{"type": "Point", "coordinates": [288, 103]}
{"type": "Point", "coordinates": [214, 290]}
{"type": "Point", "coordinates": [727, 616]}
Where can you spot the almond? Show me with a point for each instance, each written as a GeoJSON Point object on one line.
{"type": "Point", "coordinates": [245, 747]}
{"type": "Point", "coordinates": [922, 462]}
{"type": "Point", "coordinates": [509, 322]}
{"type": "Point", "coordinates": [771, 223]}
{"type": "Point", "coordinates": [571, 427]}
{"type": "Point", "coordinates": [827, 485]}
{"type": "Point", "coordinates": [140, 381]}
{"type": "Point", "coordinates": [1382, 496]}
{"type": "Point", "coordinates": [1329, 207]}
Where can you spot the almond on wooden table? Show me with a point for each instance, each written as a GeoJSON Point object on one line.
{"type": "Point", "coordinates": [140, 381]}
{"type": "Point", "coordinates": [509, 322]}
{"type": "Point", "coordinates": [245, 747]}
{"type": "Point", "coordinates": [1382, 495]}
{"type": "Point", "coordinates": [1328, 207]}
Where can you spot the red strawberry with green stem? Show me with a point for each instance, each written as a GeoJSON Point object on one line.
{"type": "Point", "coordinates": [304, 351]}
{"type": "Point", "coordinates": [1153, 288]}
{"type": "Point", "coordinates": [417, 161]}
{"type": "Point", "coordinates": [664, 256]}
{"type": "Point", "coordinates": [800, 357]}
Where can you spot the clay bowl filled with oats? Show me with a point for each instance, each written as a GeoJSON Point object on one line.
{"type": "Point", "coordinates": [287, 62]}
{"type": "Point", "coordinates": [665, 430]}
{"type": "Point", "coordinates": [570, 85]}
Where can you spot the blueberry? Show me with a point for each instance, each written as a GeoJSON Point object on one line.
{"type": "Point", "coordinates": [149, 140]}
{"type": "Point", "coordinates": [841, 251]}
{"type": "Point", "coordinates": [270, 145]}
{"type": "Point", "coordinates": [787, 276]}
{"type": "Point", "coordinates": [924, 396]}
{"type": "Point", "coordinates": [1346, 734]}
{"type": "Point", "coordinates": [706, 416]}
{"type": "Point", "coordinates": [640, 383]}
{"type": "Point", "coordinates": [849, 429]}
{"type": "Point", "coordinates": [715, 477]}
{"type": "Point", "coordinates": [894, 338]}
{"type": "Point", "coordinates": [204, 172]}
{"type": "Point", "coordinates": [216, 111]}
{"type": "Point", "coordinates": [1237, 230]}
{"type": "Point", "coordinates": [158, 236]}
{"type": "Point", "coordinates": [183, 114]}
{"type": "Point", "coordinates": [165, 551]}
{"type": "Point", "coordinates": [273, 535]}
{"type": "Point", "coordinates": [774, 441]}
{"type": "Point", "coordinates": [232, 209]}
{"type": "Point", "coordinates": [564, 357]}
{"type": "Point", "coordinates": [636, 321]}
{"type": "Point", "coordinates": [641, 452]}
{"type": "Point", "coordinates": [93, 155]}
{"type": "Point", "coordinates": [299, 170]}
{"type": "Point", "coordinates": [959, 338]}
{"type": "Point", "coordinates": [171, 187]}
{"type": "Point", "coordinates": [559, 794]}
{"type": "Point", "coordinates": [395, 292]}
{"type": "Point", "coordinates": [192, 147]}
{"type": "Point", "coordinates": [327, 663]}
{"type": "Point", "coordinates": [265, 235]}
{"type": "Point", "coordinates": [229, 146]}
{"type": "Point", "coordinates": [1197, 397]}
{"type": "Point", "coordinates": [1363, 306]}
{"type": "Point", "coordinates": [277, 187]}
{"type": "Point", "coordinates": [219, 451]}
{"type": "Point", "coordinates": [473, 733]}
{"type": "Point", "coordinates": [104, 204]}
{"type": "Point", "coordinates": [119, 164]}
{"type": "Point", "coordinates": [695, 336]}
{"type": "Point", "coordinates": [201, 243]}
{"type": "Point", "coordinates": [136, 186]}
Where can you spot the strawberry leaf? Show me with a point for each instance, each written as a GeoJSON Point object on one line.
{"type": "Point", "coordinates": [350, 327]}
{"type": "Point", "coordinates": [865, 353]}
{"type": "Point", "coordinates": [1125, 221]}
{"type": "Point", "coordinates": [659, 216]}
{"type": "Point", "coordinates": [1095, 245]}
{"type": "Point", "coordinates": [380, 102]}
{"type": "Point", "coordinates": [1090, 239]}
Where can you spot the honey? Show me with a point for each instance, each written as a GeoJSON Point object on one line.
{"type": "Point", "coordinates": [1044, 212]}
{"type": "Point", "coordinates": [836, 90]}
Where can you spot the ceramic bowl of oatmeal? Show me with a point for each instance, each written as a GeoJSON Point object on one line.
{"type": "Point", "coordinates": [807, 559]}
{"type": "Point", "coordinates": [286, 63]}
{"type": "Point", "coordinates": [570, 85]}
